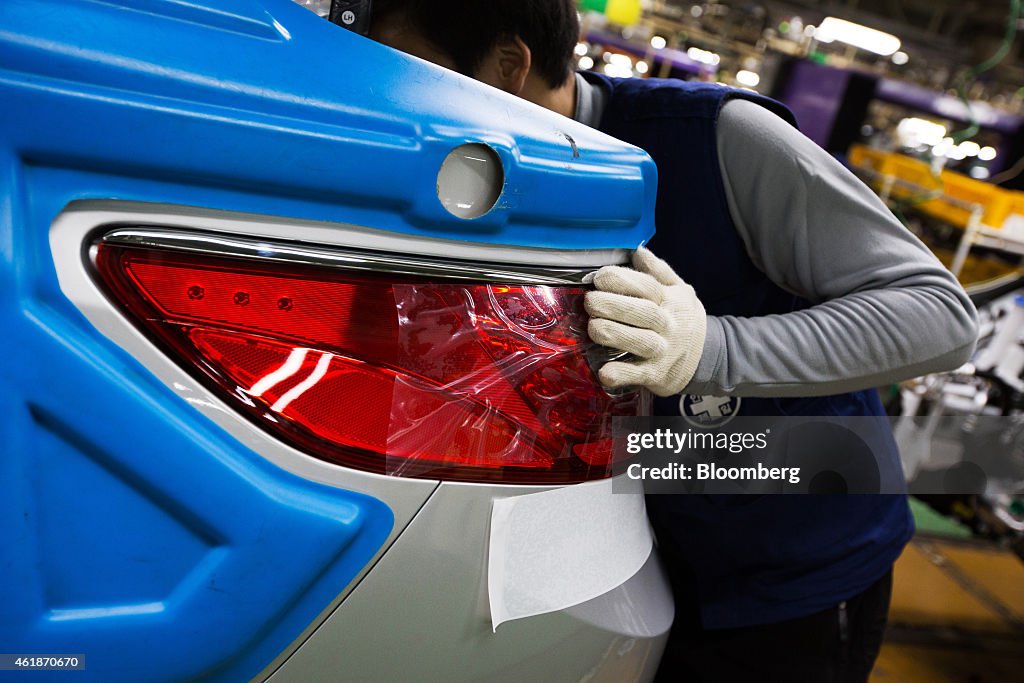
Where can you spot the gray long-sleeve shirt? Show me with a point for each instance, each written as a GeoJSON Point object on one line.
{"type": "Point", "coordinates": [884, 308]}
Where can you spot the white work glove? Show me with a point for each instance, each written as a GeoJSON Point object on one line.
{"type": "Point", "coordinates": [651, 313]}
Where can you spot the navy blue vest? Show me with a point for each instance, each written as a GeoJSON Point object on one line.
{"type": "Point", "coordinates": [755, 559]}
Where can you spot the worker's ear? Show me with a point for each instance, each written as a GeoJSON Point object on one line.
{"type": "Point", "coordinates": [506, 66]}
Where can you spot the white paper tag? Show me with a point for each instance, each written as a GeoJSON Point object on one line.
{"type": "Point", "coordinates": [559, 548]}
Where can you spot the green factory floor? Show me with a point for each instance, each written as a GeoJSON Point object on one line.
{"type": "Point", "coordinates": [932, 523]}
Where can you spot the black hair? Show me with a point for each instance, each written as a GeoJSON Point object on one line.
{"type": "Point", "coordinates": [466, 30]}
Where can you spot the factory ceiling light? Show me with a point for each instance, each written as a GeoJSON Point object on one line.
{"type": "Point", "coordinates": [747, 78]}
{"type": "Point", "coordinates": [862, 37]}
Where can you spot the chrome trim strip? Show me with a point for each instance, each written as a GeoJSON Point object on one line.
{"type": "Point", "coordinates": [112, 213]}
{"type": "Point", "coordinates": [283, 251]}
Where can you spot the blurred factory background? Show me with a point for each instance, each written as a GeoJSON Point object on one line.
{"type": "Point", "coordinates": [924, 99]}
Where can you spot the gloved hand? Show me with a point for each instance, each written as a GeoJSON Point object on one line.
{"type": "Point", "coordinates": [651, 313]}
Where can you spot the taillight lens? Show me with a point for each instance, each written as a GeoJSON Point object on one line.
{"type": "Point", "coordinates": [389, 374]}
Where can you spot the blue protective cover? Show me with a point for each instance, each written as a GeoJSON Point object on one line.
{"type": "Point", "coordinates": [133, 530]}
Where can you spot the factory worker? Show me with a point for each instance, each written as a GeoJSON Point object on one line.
{"type": "Point", "coordinates": [781, 286]}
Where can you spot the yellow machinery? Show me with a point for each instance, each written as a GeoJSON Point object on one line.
{"type": "Point", "coordinates": [989, 215]}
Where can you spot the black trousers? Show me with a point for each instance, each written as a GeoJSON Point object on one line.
{"type": "Point", "coordinates": [838, 645]}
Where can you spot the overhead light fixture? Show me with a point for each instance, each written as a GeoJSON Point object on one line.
{"type": "Point", "coordinates": [832, 29]}
{"type": "Point", "coordinates": [900, 58]}
{"type": "Point", "coordinates": [657, 42]}
{"type": "Point", "coordinates": [912, 132]}
{"type": "Point", "coordinates": [970, 148]}
{"type": "Point", "coordinates": [987, 153]}
{"type": "Point", "coordinates": [618, 70]}
{"type": "Point", "coordinates": [747, 78]}
{"type": "Point", "coordinates": [703, 56]}
{"type": "Point", "coordinates": [944, 148]}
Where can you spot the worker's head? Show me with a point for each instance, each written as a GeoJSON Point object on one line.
{"type": "Point", "coordinates": [520, 46]}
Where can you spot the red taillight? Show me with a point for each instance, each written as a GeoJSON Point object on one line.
{"type": "Point", "coordinates": [385, 373]}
